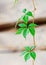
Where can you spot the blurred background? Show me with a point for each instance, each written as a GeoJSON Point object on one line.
{"type": "Point", "coordinates": [11, 11]}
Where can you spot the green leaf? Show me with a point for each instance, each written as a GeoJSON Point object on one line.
{"type": "Point", "coordinates": [15, 1]}
{"type": "Point", "coordinates": [27, 57]}
{"type": "Point", "coordinates": [32, 31]}
{"type": "Point", "coordinates": [25, 32]}
{"type": "Point", "coordinates": [22, 25]}
{"type": "Point", "coordinates": [24, 52]}
{"type": "Point", "coordinates": [32, 25]}
{"type": "Point", "coordinates": [19, 31]}
{"type": "Point", "coordinates": [33, 55]}
{"type": "Point", "coordinates": [25, 19]}
{"type": "Point", "coordinates": [27, 48]}
{"type": "Point", "coordinates": [19, 20]}
{"type": "Point", "coordinates": [24, 10]}
{"type": "Point", "coordinates": [32, 47]}
{"type": "Point", "coordinates": [29, 13]}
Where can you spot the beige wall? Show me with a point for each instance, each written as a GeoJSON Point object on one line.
{"type": "Point", "coordinates": [10, 13]}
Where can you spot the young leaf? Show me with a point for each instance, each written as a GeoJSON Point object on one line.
{"type": "Point", "coordinates": [27, 48]}
{"type": "Point", "coordinates": [24, 10]}
{"type": "Point", "coordinates": [25, 32]}
{"type": "Point", "coordinates": [27, 57]}
{"type": "Point", "coordinates": [15, 1]}
{"type": "Point", "coordinates": [33, 55]}
{"type": "Point", "coordinates": [32, 25]}
{"type": "Point", "coordinates": [25, 19]}
{"type": "Point", "coordinates": [19, 31]}
{"type": "Point", "coordinates": [17, 22]}
{"type": "Point", "coordinates": [24, 52]}
{"type": "Point", "coordinates": [32, 47]}
{"type": "Point", "coordinates": [29, 13]}
{"type": "Point", "coordinates": [32, 31]}
{"type": "Point", "coordinates": [22, 25]}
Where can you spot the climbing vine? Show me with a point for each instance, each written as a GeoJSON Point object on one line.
{"type": "Point", "coordinates": [25, 29]}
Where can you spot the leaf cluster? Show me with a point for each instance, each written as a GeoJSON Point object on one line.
{"type": "Point", "coordinates": [29, 53]}
{"type": "Point", "coordinates": [26, 28]}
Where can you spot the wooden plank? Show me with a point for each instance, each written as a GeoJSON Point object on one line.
{"type": "Point", "coordinates": [14, 42]}
{"type": "Point", "coordinates": [10, 25]}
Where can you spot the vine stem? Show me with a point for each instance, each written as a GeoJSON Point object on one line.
{"type": "Point", "coordinates": [34, 5]}
{"type": "Point", "coordinates": [34, 35]}
{"type": "Point", "coordinates": [33, 22]}
{"type": "Point", "coordinates": [32, 62]}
